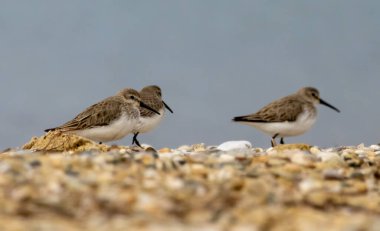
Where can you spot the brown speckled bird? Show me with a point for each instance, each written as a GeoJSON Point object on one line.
{"type": "Point", "coordinates": [108, 120]}
{"type": "Point", "coordinates": [148, 120]}
{"type": "Point", "coordinates": [289, 116]}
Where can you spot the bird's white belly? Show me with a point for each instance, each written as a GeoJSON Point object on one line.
{"type": "Point", "coordinates": [146, 124]}
{"type": "Point", "coordinates": [303, 123]}
{"type": "Point", "coordinates": [114, 131]}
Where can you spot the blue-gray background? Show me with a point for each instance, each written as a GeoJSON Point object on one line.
{"type": "Point", "coordinates": [213, 59]}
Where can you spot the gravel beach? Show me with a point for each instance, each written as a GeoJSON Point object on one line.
{"type": "Point", "coordinates": [64, 182]}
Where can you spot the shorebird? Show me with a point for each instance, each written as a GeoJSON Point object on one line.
{"type": "Point", "coordinates": [289, 116]}
{"type": "Point", "coordinates": [148, 120]}
{"type": "Point", "coordinates": [108, 120]}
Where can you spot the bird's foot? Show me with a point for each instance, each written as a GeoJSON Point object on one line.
{"type": "Point", "coordinates": [135, 141]}
{"type": "Point", "coordinates": [273, 142]}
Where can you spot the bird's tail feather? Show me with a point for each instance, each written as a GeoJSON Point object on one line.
{"type": "Point", "coordinates": [247, 119]}
{"type": "Point", "coordinates": [49, 129]}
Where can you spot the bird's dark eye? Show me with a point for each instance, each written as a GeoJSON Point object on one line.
{"type": "Point", "coordinates": [132, 97]}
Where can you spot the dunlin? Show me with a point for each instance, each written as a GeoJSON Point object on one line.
{"type": "Point", "coordinates": [289, 116]}
{"type": "Point", "coordinates": [152, 96]}
{"type": "Point", "coordinates": [108, 120]}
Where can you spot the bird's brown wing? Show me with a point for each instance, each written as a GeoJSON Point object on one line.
{"type": "Point", "coordinates": [99, 114]}
{"type": "Point", "coordinates": [285, 109]}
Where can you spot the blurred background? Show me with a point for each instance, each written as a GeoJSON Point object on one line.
{"type": "Point", "coordinates": [213, 60]}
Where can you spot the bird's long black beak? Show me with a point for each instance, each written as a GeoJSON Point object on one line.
{"type": "Point", "coordinates": [328, 105]}
{"type": "Point", "coordinates": [167, 107]}
{"type": "Point", "coordinates": [149, 108]}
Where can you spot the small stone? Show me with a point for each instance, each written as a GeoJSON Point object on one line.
{"type": "Point", "coordinates": [329, 156]}
{"type": "Point", "coordinates": [293, 168]}
{"type": "Point", "coordinates": [309, 185]}
{"type": "Point", "coordinates": [355, 187]}
{"type": "Point", "coordinates": [225, 158]}
{"type": "Point", "coordinates": [199, 147]}
{"type": "Point", "coordinates": [198, 169]}
{"type": "Point", "coordinates": [352, 157]}
{"type": "Point", "coordinates": [302, 158]}
{"type": "Point", "coordinates": [318, 199]}
{"type": "Point", "coordinates": [179, 159]}
{"type": "Point", "coordinates": [333, 174]}
{"type": "Point", "coordinates": [148, 160]}
{"type": "Point", "coordinates": [165, 150]}
{"type": "Point", "coordinates": [234, 145]}
{"type": "Point", "coordinates": [174, 183]}
{"type": "Point", "coordinates": [360, 146]}
{"type": "Point", "coordinates": [329, 160]}
{"type": "Point", "coordinates": [375, 147]}
{"type": "Point", "coordinates": [198, 157]}
{"type": "Point", "coordinates": [287, 147]}
{"type": "Point", "coordinates": [357, 175]}
{"type": "Point", "coordinates": [314, 150]}
{"type": "Point", "coordinates": [184, 148]}
{"type": "Point", "coordinates": [35, 163]}
{"type": "Point", "coordinates": [277, 162]}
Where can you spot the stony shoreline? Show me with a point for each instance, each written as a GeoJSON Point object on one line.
{"type": "Point", "coordinates": [86, 186]}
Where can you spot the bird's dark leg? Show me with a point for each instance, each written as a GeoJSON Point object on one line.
{"type": "Point", "coordinates": [134, 138]}
{"type": "Point", "coordinates": [282, 140]}
{"type": "Point", "coordinates": [273, 141]}
{"type": "Point", "coordinates": [135, 141]}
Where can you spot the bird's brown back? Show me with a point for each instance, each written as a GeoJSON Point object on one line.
{"type": "Point", "coordinates": [284, 109]}
{"type": "Point", "coordinates": [99, 114]}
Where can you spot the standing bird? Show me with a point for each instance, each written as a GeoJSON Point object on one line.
{"type": "Point", "coordinates": [108, 120]}
{"type": "Point", "coordinates": [289, 116]}
{"type": "Point", "coordinates": [152, 96]}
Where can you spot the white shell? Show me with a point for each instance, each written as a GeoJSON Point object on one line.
{"type": "Point", "coordinates": [235, 145]}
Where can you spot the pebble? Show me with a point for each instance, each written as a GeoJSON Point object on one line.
{"type": "Point", "coordinates": [302, 158]}
{"type": "Point", "coordinates": [308, 185]}
{"type": "Point", "coordinates": [375, 147]}
{"type": "Point", "coordinates": [164, 150]}
{"type": "Point", "coordinates": [328, 156]}
{"type": "Point", "coordinates": [333, 174]}
{"type": "Point", "coordinates": [277, 162]}
{"type": "Point", "coordinates": [235, 145]}
{"type": "Point", "coordinates": [225, 158]}
{"type": "Point", "coordinates": [184, 148]}
{"type": "Point", "coordinates": [199, 147]}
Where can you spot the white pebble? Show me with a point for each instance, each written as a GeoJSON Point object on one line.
{"type": "Point", "coordinates": [375, 147]}
{"type": "Point", "coordinates": [235, 145]}
{"type": "Point", "coordinates": [309, 185]}
{"type": "Point", "coordinates": [169, 155]}
{"type": "Point", "coordinates": [327, 156]}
